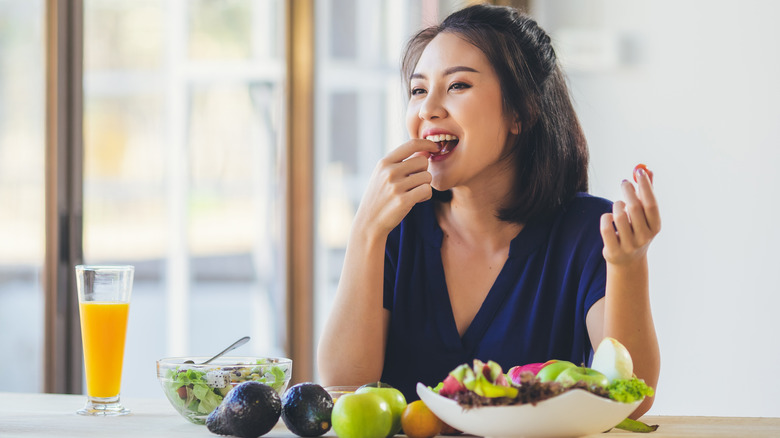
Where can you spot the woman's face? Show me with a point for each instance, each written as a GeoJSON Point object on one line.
{"type": "Point", "coordinates": [456, 101]}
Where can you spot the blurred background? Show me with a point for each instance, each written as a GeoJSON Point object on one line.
{"type": "Point", "coordinates": [184, 146]}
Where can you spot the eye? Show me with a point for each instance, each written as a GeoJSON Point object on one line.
{"type": "Point", "coordinates": [417, 91]}
{"type": "Point", "coordinates": [459, 86]}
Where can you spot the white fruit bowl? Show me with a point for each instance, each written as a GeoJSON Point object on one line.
{"type": "Point", "coordinates": [571, 414]}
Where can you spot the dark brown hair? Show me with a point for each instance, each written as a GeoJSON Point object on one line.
{"type": "Point", "coordinates": [550, 155]}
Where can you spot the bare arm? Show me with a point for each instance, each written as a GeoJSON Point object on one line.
{"type": "Point", "coordinates": [352, 348]}
{"type": "Point", "coordinates": [625, 313]}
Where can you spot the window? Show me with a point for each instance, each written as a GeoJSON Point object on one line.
{"type": "Point", "coordinates": [184, 165]}
{"type": "Point", "coordinates": [183, 120]}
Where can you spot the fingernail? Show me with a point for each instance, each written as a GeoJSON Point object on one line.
{"type": "Point", "coordinates": [641, 171]}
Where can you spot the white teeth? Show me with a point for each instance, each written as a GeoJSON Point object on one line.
{"type": "Point", "coordinates": [441, 137]}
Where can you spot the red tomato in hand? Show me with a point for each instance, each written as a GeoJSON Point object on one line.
{"type": "Point", "coordinates": [643, 167]}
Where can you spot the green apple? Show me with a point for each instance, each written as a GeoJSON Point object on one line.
{"type": "Point", "coordinates": [572, 375]}
{"type": "Point", "coordinates": [394, 398]}
{"type": "Point", "coordinates": [550, 372]}
{"type": "Point", "coordinates": [365, 415]}
{"type": "Point", "coordinates": [613, 360]}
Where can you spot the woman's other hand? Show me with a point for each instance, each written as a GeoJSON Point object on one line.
{"type": "Point", "coordinates": [633, 223]}
{"type": "Point", "coordinates": [625, 312]}
{"type": "Point", "coordinates": [399, 181]}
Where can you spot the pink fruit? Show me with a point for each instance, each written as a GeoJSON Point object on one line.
{"type": "Point", "coordinates": [514, 373]}
{"type": "Point", "coordinates": [451, 385]}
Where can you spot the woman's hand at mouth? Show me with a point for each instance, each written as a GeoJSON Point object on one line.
{"type": "Point", "coordinates": [399, 181]}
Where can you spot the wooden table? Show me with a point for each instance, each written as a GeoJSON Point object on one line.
{"type": "Point", "coordinates": [54, 415]}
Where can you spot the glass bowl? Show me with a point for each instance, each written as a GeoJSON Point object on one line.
{"type": "Point", "coordinates": [337, 391]}
{"type": "Point", "coordinates": [196, 390]}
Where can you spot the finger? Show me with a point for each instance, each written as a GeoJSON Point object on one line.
{"type": "Point", "coordinates": [420, 193]}
{"type": "Point", "coordinates": [424, 154]}
{"type": "Point", "coordinates": [636, 213]}
{"type": "Point", "coordinates": [623, 225]}
{"type": "Point", "coordinates": [639, 170]}
{"type": "Point", "coordinates": [409, 148]}
{"type": "Point", "coordinates": [410, 166]}
{"type": "Point", "coordinates": [608, 234]}
{"type": "Point", "coordinates": [647, 196]}
{"type": "Point", "coordinates": [415, 180]}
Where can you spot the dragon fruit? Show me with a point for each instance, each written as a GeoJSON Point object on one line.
{"type": "Point", "coordinates": [453, 383]}
{"type": "Point", "coordinates": [217, 379]}
{"type": "Point", "coordinates": [484, 379]}
{"type": "Point", "coordinates": [514, 373]}
{"type": "Point", "coordinates": [489, 381]}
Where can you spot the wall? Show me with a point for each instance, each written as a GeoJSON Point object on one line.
{"type": "Point", "coordinates": [692, 88]}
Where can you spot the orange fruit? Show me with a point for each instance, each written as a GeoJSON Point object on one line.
{"type": "Point", "coordinates": [418, 421]}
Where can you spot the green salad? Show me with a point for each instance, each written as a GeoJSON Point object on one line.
{"type": "Point", "coordinates": [201, 391]}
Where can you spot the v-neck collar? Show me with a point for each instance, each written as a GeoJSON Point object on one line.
{"type": "Point", "coordinates": [526, 241]}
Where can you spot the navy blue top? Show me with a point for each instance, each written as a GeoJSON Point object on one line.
{"type": "Point", "coordinates": [534, 311]}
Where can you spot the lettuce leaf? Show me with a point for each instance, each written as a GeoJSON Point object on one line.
{"type": "Point", "coordinates": [629, 390]}
{"type": "Point", "coordinates": [208, 399]}
{"type": "Point", "coordinates": [278, 375]}
{"type": "Point", "coordinates": [273, 377]}
{"type": "Point", "coordinates": [200, 397]}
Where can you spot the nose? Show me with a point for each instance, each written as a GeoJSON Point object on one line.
{"type": "Point", "coordinates": [431, 107]}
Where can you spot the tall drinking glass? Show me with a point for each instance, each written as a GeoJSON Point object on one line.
{"type": "Point", "coordinates": [104, 302]}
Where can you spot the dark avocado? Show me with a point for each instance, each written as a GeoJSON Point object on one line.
{"type": "Point", "coordinates": [306, 409]}
{"type": "Point", "coordinates": [249, 410]}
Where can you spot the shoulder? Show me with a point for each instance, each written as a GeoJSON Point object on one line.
{"type": "Point", "coordinates": [587, 204]}
{"type": "Point", "coordinates": [583, 209]}
{"type": "Point", "coordinates": [579, 220]}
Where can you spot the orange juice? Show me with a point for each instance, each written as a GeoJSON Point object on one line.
{"type": "Point", "coordinates": [103, 329]}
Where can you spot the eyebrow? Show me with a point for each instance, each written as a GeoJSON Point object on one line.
{"type": "Point", "coordinates": [447, 72]}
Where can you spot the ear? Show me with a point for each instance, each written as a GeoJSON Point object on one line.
{"type": "Point", "coordinates": [516, 128]}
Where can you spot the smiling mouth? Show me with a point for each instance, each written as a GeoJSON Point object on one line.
{"type": "Point", "coordinates": [446, 143]}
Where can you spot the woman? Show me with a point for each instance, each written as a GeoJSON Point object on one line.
{"type": "Point", "coordinates": [475, 238]}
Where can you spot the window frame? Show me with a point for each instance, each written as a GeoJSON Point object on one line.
{"type": "Point", "coordinates": [63, 194]}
